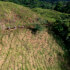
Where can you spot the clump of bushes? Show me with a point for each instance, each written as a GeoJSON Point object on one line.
{"type": "Point", "coordinates": [62, 28]}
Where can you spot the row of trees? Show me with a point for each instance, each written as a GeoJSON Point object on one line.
{"type": "Point", "coordinates": [32, 3]}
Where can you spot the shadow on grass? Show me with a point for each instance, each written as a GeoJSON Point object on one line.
{"type": "Point", "coordinates": [33, 30]}
{"type": "Point", "coordinates": [64, 60]}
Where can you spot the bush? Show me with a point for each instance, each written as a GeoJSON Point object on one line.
{"type": "Point", "coordinates": [39, 27]}
{"type": "Point", "coordinates": [62, 28]}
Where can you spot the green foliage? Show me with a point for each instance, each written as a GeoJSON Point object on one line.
{"type": "Point", "coordinates": [39, 27]}
{"type": "Point", "coordinates": [32, 3]}
{"type": "Point", "coordinates": [59, 6]}
{"type": "Point", "coordinates": [62, 28]}
{"type": "Point", "coordinates": [62, 7]}
{"type": "Point", "coordinates": [67, 8]}
{"type": "Point", "coordinates": [48, 14]}
{"type": "Point", "coordinates": [46, 5]}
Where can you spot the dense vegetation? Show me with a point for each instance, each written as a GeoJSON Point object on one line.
{"type": "Point", "coordinates": [60, 23]}
{"type": "Point", "coordinates": [60, 6]}
{"type": "Point", "coordinates": [62, 28]}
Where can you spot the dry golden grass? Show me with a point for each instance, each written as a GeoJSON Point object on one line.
{"type": "Point", "coordinates": [24, 51]}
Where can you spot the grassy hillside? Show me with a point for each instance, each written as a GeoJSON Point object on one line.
{"type": "Point", "coordinates": [20, 49]}
{"type": "Point", "coordinates": [50, 15]}
{"type": "Point", "coordinates": [13, 15]}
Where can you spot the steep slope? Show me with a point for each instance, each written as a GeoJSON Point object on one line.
{"type": "Point", "coordinates": [22, 50]}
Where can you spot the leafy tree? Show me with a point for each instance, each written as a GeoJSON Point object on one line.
{"type": "Point", "coordinates": [62, 28]}
{"type": "Point", "coordinates": [59, 6]}
{"type": "Point", "coordinates": [67, 8]}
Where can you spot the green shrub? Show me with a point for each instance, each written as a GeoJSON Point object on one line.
{"type": "Point", "coordinates": [39, 27]}
{"type": "Point", "coordinates": [62, 28]}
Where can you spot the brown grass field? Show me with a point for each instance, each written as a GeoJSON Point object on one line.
{"type": "Point", "coordinates": [24, 51]}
